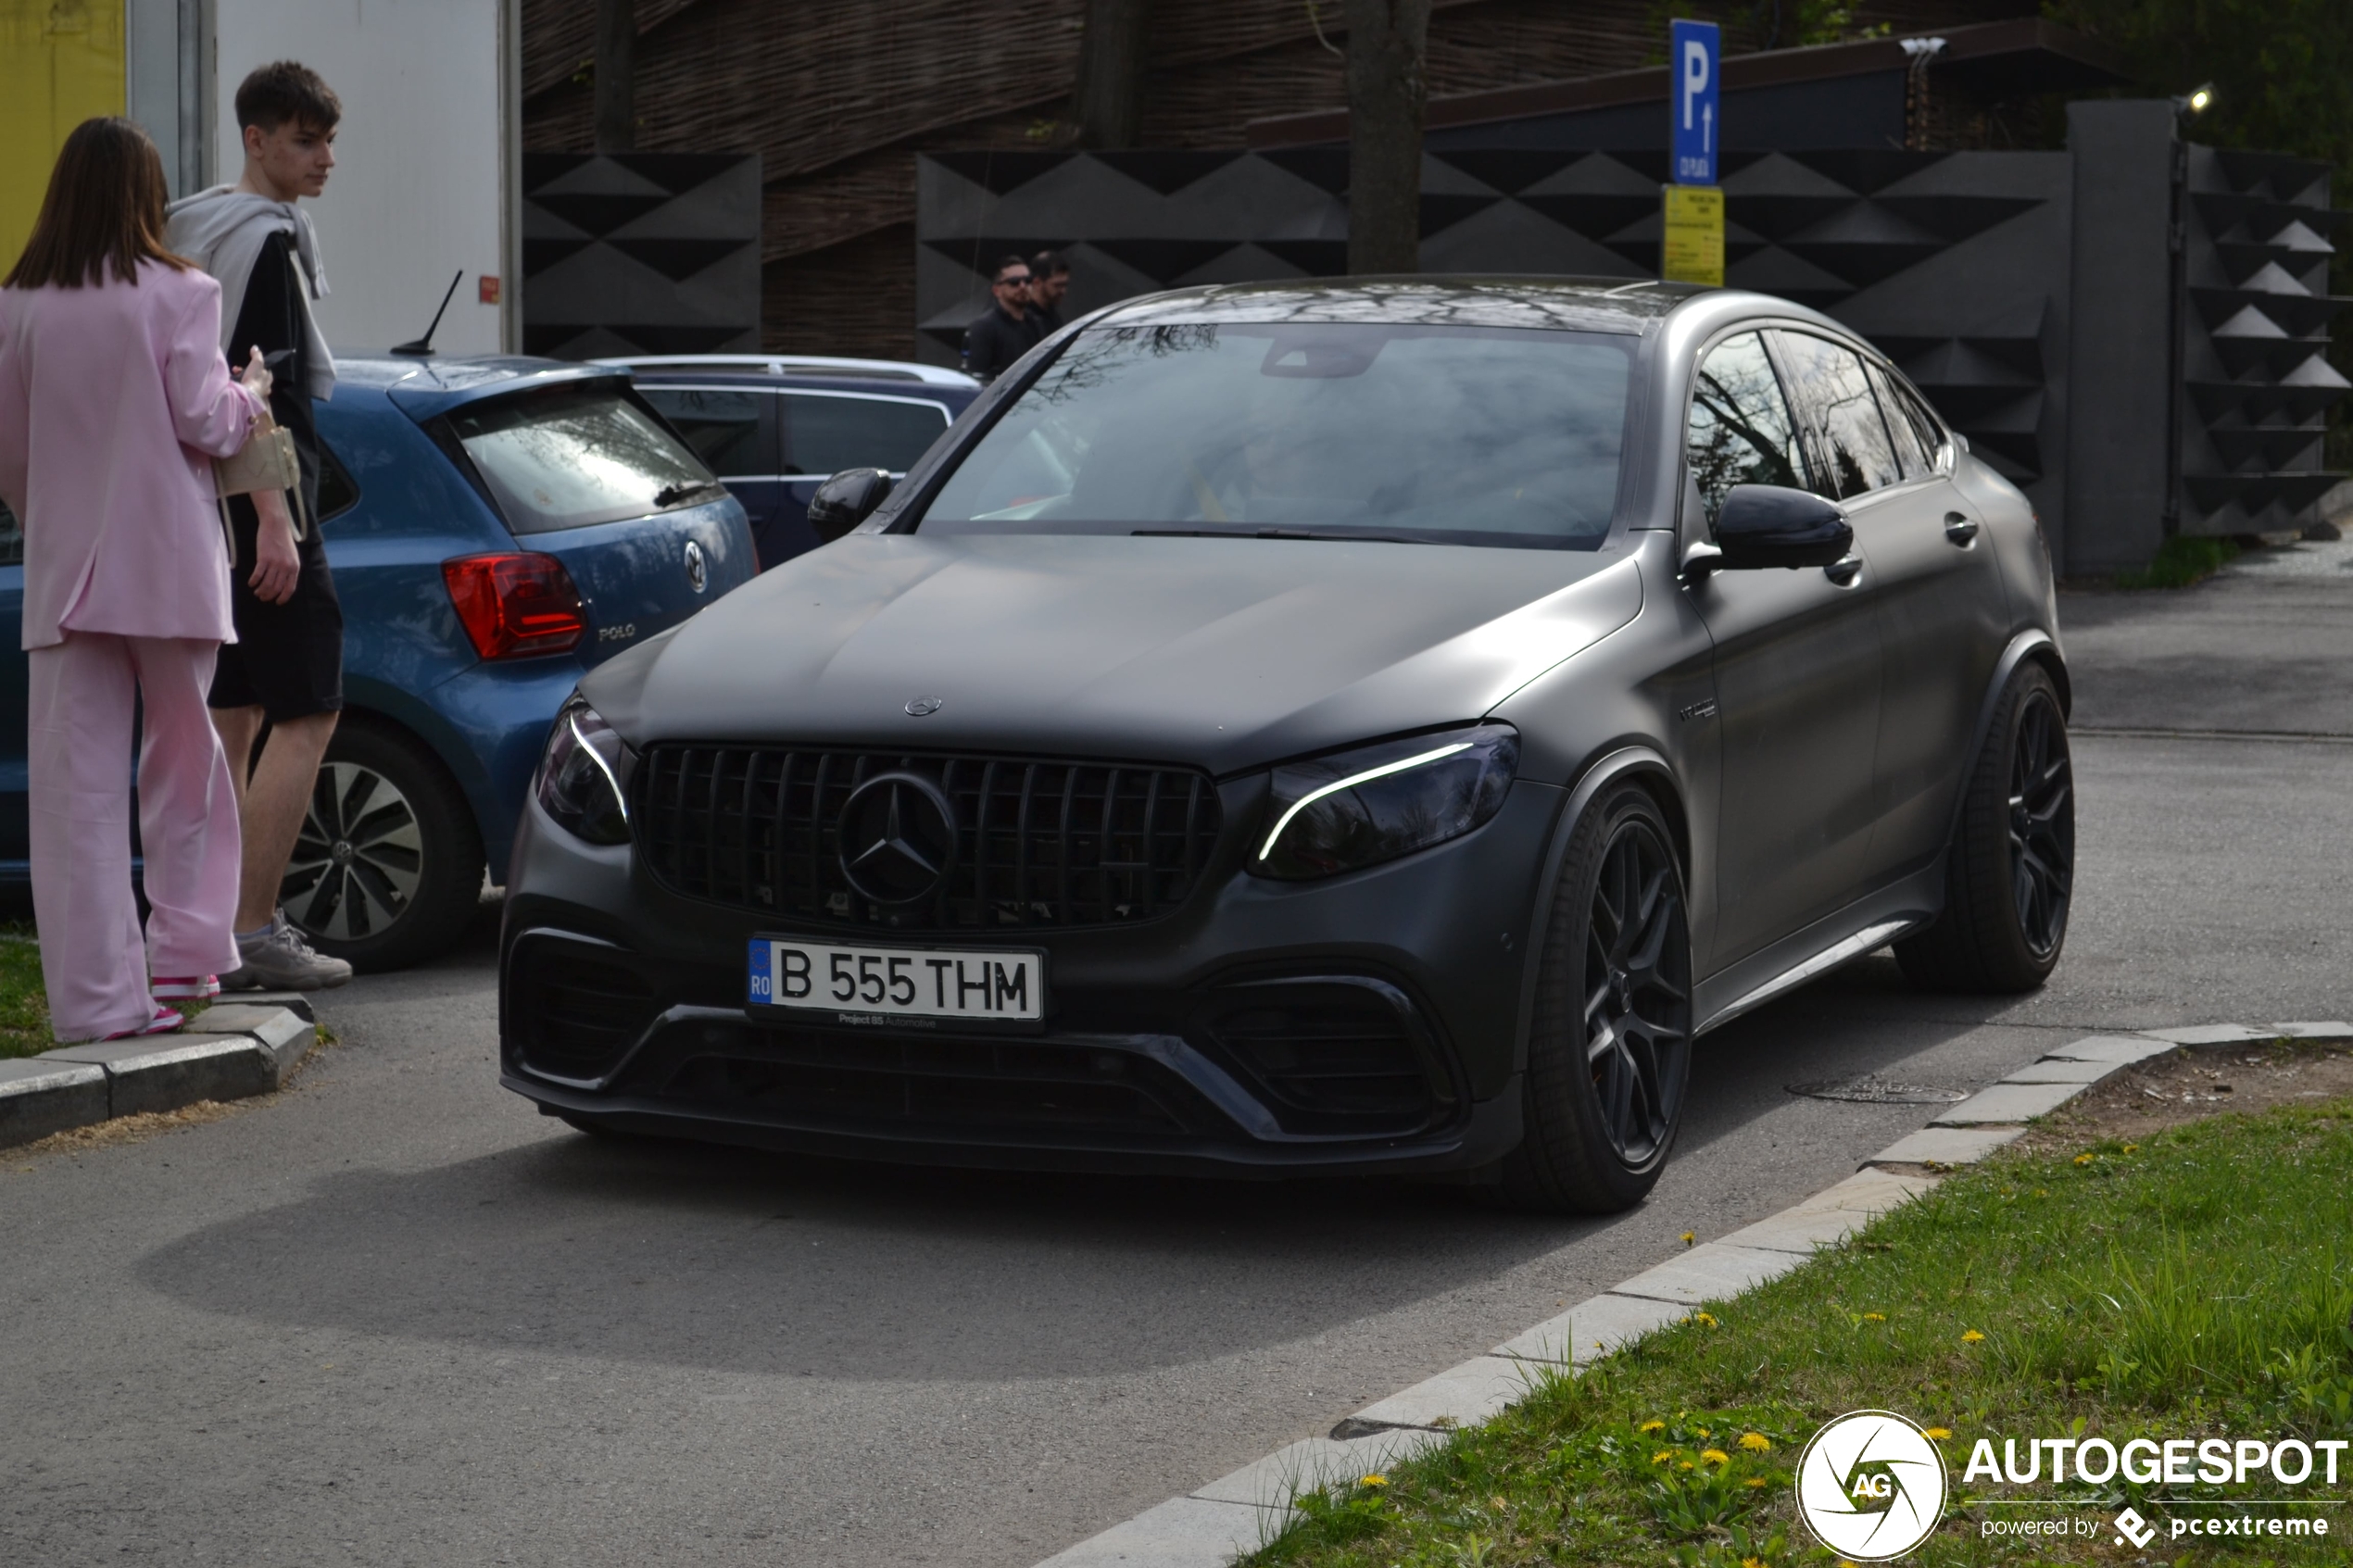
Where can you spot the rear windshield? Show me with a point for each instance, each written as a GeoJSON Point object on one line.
{"type": "Point", "coordinates": [1470, 435]}
{"type": "Point", "coordinates": [567, 458]}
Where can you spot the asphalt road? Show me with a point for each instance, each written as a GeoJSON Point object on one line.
{"type": "Point", "coordinates": [393, 1316]}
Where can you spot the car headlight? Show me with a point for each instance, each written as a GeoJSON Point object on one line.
{"type": "Point", "coordinates": [584, 778]}
{"type": "Point", "coordinates": [1359, 808]}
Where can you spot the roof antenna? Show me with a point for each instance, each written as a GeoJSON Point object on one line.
{"type": "Point", "coordinates": [423, 345]}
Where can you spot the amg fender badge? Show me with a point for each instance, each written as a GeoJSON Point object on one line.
{"type": "Point", "coordinates": [1703, 709]}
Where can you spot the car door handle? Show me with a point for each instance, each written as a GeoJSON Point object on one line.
{"type": "Point", "coordinates": [1843, 571]}
{"type": "Point", "coordinates": [1959, 529]}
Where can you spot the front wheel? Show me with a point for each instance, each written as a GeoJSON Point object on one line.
{"type": "Point", "coordinates": [1609, 1054]}
{"type": "Point", "coordinates": [2010, 877]}
{"type": "Point", "coordinates": [387, 869]}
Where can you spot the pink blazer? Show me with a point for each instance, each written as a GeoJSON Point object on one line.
{"type": "Point", "coordinates": [111, 400]}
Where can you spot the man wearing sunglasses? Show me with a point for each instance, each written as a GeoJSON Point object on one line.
{"type": "Point", "coordinates": [1002, 334]}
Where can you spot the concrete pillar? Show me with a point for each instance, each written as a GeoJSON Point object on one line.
{"type": "Point", "coordinates": [2121, 335]}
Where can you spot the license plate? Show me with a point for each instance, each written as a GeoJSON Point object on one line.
{"type": "Point", "coordinates": [871, 985]}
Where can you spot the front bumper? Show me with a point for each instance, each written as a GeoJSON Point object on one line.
{"type": "Point", "coordinates": [1370, 1023]}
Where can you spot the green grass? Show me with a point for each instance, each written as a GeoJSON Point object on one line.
{"type": "Point", "coordinates": [2181, 561]}
{"type": "Point", "coordinates": [24, 1006]}
{"type": "Point", "coordinates": [2199, 1285]}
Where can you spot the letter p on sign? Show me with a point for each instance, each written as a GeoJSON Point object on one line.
{"type": "Point", "coordinates": [1693, 47]}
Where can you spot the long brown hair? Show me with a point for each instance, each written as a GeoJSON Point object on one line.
{"type": "Point", "coordinates": [105, 204]}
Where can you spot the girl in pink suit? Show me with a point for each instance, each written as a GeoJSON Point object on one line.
{"type": "Point", "coordinates": [113, 397]}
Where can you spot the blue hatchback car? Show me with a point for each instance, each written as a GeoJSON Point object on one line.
{"type": "Point", "coordinates": [497, 527]}
{"type": "Point", "coordinates": [773, 427]}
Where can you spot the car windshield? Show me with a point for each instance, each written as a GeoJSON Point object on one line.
{"type": "Point", "coordinates": [1440, 434]}
{"type": "Point", "coordinates": [572, 457]}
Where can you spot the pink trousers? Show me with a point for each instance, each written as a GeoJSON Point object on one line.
{"type": "Point", "coordinates": [82, 694]}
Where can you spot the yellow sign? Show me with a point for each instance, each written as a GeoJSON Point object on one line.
{"type": "Point", "coordinates": [61, 61]}
{"type": "Point", "coordinates": [1694, 247]}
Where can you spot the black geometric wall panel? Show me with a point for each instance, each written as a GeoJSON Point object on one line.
{"type": "Point", "coordinates": [2256, 338]}
{"type": "Point", "coordinates": [640, 253]}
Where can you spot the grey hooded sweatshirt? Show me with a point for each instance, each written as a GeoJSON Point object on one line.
{"type": "Point", "coordinates": [221, 230]}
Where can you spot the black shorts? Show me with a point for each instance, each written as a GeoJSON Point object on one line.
{"type": "Point", "coordinates": [287, 659]}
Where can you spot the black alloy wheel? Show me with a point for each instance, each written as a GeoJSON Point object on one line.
{"type": "Point", "coordinates": [2042, 825]}
{"type": "Point", "coordinates": [1609, 1056]}
{"type": "Point", "coordinates": [2009, 876]}
{"type": "Point", "coordinates": [387, 868]}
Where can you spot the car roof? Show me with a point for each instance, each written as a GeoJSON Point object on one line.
{"type": "Point", "coordinates": [1586, 304]}
{"type": "Point", "coordinates": [427, 384]}
{"type": "Point", "coordinates": [936, 393]}
{"type": "Point", "coordinates": [832, 367]}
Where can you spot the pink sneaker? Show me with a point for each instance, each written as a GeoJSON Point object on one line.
{"type": "Point", "coordinates": [165, 1020]}
{"type": "Point", "coordinates": [185, 987]}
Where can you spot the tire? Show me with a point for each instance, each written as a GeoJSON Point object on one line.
{"type": "Point", "coordinates": [1609, 1051]}
{"type": "Point", "coordinates": [2010, 872]}
{"type": "Point", "coordinates": [387, 869]}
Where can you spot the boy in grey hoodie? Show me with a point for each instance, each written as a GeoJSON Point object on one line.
{"type": "Point", "coordinates": [287, 665]}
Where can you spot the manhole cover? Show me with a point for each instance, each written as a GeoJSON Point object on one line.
{"type": "Point", "coordinates": [1878, 1091]}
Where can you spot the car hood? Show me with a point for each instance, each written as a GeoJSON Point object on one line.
{"type": "Point", "coordinates": [1224, 653]}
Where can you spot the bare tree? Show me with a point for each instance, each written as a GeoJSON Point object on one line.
{"type": "Point", "coordinates": [1388, 91]}
{"type": "Point", "coordinates": [1107, 106]}
{"type": "Point", "coordinates": [616, 76]}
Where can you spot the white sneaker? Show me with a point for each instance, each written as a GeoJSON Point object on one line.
{"type": "Point", "coordinates": [279, 959]}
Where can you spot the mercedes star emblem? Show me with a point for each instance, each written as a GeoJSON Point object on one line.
{"type": "Point", "coordinates": [897, 836]}
{"type": "Point", "coordinates": [696, 573]}
{"type": "Point", "coordinates": [918, 706]}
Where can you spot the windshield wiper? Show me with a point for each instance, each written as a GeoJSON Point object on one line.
{"type": "Point", "coordinates": [671, 495]}
{"type": "Point", "coordinates": [1350, 536]}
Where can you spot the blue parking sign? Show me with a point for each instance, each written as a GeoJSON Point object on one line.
{"type": "Point", "coordinates": [1693, 52]}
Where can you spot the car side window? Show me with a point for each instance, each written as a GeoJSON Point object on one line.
{"type": "Point", "coordinates": [1741, 431]}
{"type": "Point", "coordinates": [1908, 405]}
{"type": "Point", "coordinates": [1917, 460]}
{"type": "Point", "coordinates": [1846, 441]}
{"type": "Point", "coordinates": [339, 492]}
{"type": "Point", "coordinates": [722, 427]}
{"type": "Point", "coordinates": [824, 434]}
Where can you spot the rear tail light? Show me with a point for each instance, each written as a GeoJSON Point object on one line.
{"type": "Point", "coordinates": [514, 604]}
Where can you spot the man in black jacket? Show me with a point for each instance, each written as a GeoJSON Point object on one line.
{"type": "Point", "coordinates": [1049, 281]}
{"type": "Point", "coordinates": [1003, 334]}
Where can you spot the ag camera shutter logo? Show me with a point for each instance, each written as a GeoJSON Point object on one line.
{"type": "Point", "coordinates": [1870, 1485]}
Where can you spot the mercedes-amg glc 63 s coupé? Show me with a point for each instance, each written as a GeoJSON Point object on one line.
{"type": "Point", "coordinates": [1312, 727]}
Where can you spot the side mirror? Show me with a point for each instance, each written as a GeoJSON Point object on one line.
{"type": "Point", "coordinates": [1762, 525]}
{"type": "Point", "coordinates": [846, 500]}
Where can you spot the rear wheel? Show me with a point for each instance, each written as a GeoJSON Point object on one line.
{"type": "Point", "coordinates": [387, 869]}
{"type": "Point", "coordinates": [2010, 877]}
{"type": "Point", "coordinates": [1609, 1055]}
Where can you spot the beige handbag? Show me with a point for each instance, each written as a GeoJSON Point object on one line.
{"type": "Point", "coordinates": [266, 461]}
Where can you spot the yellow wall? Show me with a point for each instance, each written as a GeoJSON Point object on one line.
{"type": "Point", "coordinates": [61, 61]}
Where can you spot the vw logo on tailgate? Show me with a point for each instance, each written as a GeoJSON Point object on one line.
{"type": "Point", "coordinates": [697, 573]}
{"type": "Point", "coordinates": [898, 837]}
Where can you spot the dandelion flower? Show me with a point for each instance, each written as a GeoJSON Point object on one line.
{"type": "Point", "coordinates": [1690, 1236]}
{"type": "Point", "coordinates": [1663, 1456]}
{"type": "Point", "coordinates": [1372, 1481]}
{"type": "Point", "coordinates": [1756, 1442]}
{"type": "Point", "coordinates": [1704, 1320]}
{"type": "Point", "coordinates": [1939, 1433]}
{"type": "Point", "coordinates": [2132, 1149]}
{"type": "Point", "coordinates": [1715, 1456]}
{"type": "Point", "coordinates": [1652, 1426]}
{"type": "Point", "coordinates": [1752, 1562]}
{"type": "Point", "coordinates": [1753, 1482]}
{"type": "Point", "coordinates": [1972, 1338]}
{"type": "Point", "coordinates": [2085, 1158]}
{"type": "Point", "coordinates": [1685, 1465]}
{"type": "Point", "coordinates": [1874, 1317]}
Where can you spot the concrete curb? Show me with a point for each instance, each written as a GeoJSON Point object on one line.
{"type": "Point", "coordinates": [246, 1047]}
{"type": "Point", "coordinates": [1238, 1513]}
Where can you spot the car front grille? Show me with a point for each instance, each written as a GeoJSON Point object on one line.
{"type": "Point", "coordinates": [1038, 841]}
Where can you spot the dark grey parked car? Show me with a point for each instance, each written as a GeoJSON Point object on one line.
{"type": "Point", "coordinates": [1353, 726]}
